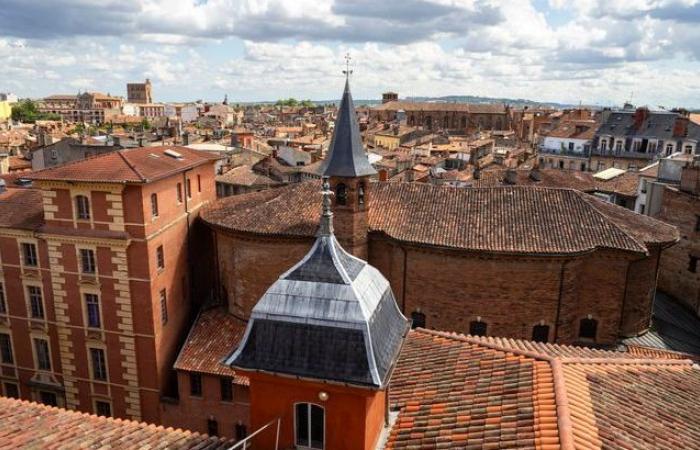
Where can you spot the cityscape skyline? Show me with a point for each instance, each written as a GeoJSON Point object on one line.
{"type": "Point", "coordinates": [553, 51]}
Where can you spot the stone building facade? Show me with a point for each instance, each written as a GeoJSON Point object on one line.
{"type": "Point", "coordinates": [139, 93]}
{"type": "Point", "coordinates": [96, 284]}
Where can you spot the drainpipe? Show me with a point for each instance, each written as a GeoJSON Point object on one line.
{"type": "Point", "coordinates": [187, 218]}
{"type": "Point", "coordinates": [403, 284]}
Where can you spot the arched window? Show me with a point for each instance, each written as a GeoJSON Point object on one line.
{"type": "Point", "coordinates": [588, 328]}
{"type": "Point", "coordinates": [418, 319]}
{"type": "Point", "coordinates": [309, 426]}
{"type": "Point", "coordinates": [341, 194]}
{"type": "Point", "coordinates": [477, 328]}
{"type": "Point", "coordinates": [361, 194]}
{"type": "Point", "coordinates": [82, 207]}
{"type": "Point", "coordinates": [540, 333]}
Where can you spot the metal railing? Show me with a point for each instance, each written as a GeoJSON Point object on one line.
{"type": "Point", "coordinates": [243, 444]}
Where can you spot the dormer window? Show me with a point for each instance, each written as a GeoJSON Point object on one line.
{"type": "Point", "coordinates": [310, 426]}
{"type": "Point", "coordinates": [82, 207]}
{"type": "Point", "coordinates": [341, 194]}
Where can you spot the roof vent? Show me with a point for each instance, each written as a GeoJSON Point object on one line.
{"type": "Point", "coordinates": [535, 174]}
{"type": "Point", "coordinates": [153, 155]}
{"type": "Point", "coordinates": [173, 154]}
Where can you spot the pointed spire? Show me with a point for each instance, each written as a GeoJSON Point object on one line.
{"type": "Point", "coordinates": [326, 226]}
{"type": "Point", "coordinates": [346, 155]}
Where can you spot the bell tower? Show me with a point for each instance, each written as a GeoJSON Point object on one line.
{"type": "Point", "coordinates": [349, 171]}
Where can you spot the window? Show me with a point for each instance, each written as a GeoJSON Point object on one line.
{"type": "Point", "coordinates": [418, 319]}
{"type": "Point", "coordinates": [92, 309]}
{"type": "Point", "coordinates": [154, 205]}
{"type": "Point", "coordinates": [341, 194]}
{"type": "Point", "coordinates": [644, 186]}
{"type": "Point", "coordinates": [36, 305]}
{"type": "Point", "coordinates": [195, 384]}
{"type": "Point", "coordinates": [561, 164]}
{"type": "Point", "coordinates": [693, 264]}
{"type": "Point", "coordinates": [48, 398]}
{"type": "Point", "coordinates": [226, 389]}
{"type": "Point", "coordinates": [160, 258]}
{"type": "Point", "coordinates": [87, 260]}
{"type": "Point", "coordinates": [669, 149]}
{"type": "Point", "coordinates": [163, 307]}
{"type": "Point", "coordinates": [361, 194]}
{"type": "Point", "coordinates": [688, 149]}
{"type": "Point", "coordinates": [571, 146]}
{"type": "Point", "coordinates": [697, 223]}
{"type": "Point", "coordinates": [29, 254]}
{"type": "Point", "coordinates": [82, 207]}
{"type": "Point", "coordinates": [477, 328]}
{"type": "Point", "coordinates": [241, 431]}
{"type": "Point", "coordinates": [3, 303]}
{"type": "Point", "coordinates": [212, 427]}
{"type": "Point", "coordinates": [43, 357]}
{"type": "Point", "coordinates": [603, 145]}
{"type": "Point", "coordinates": [179, 192]}
{"type": "Point", "coordinates": [618, 146]}
{"type": "Point", "coordinates": [99, 364]}
{"type": "Point", "coordinates": [54, 153]}
{"type": "Point", "coordinates": [11, 390]}
{"type": "Point", "coordinates": [188, 188]}
{"type": "Point", "coordinates": [310, 426]}
{"type": "Point", "coordinates": [540, 333]}
{"type": "Point", "coordinates": [6, 349]}
{"type": "Point", "coordinates": [103, 409]}
{"type": "Point", "coordinates": [588, 328]}
{"type": "Point", "coordinates": [199, 183]}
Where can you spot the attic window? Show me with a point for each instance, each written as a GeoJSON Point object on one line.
{"type": "Point", "coordinates": [173, 154]}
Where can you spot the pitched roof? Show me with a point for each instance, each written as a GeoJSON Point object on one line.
{"type": "Point", "coordinates": [510, 219]}
{"type": "Point", "coordinates": [246, 176]}
{"type": "Point", "coordinates": [34, 426]}
{"type": "Point", "coordinates": [473, 108]}
{"type": "Point", "coordinates": [209, 343]}
{"type": "Point", "coordinates": [136, 165]}
{"type": "Point", "coordinates": [656, 124]}
{"type": "Point", "coordinates": [456, 391]}
{"type": "Point", "coordinates": [21, 208]}
{"type": "Point", "coordinates": [346, 155]}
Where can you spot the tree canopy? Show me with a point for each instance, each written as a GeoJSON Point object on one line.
{"type": "Point", "coordinates": [291, 101]}
{"type": "Point", "coordinates": [28, 112]}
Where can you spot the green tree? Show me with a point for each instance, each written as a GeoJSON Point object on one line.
{"type": "Point", "coordinates": [28, 112]}
{"type": "Point", "coordinates": [145, 124]}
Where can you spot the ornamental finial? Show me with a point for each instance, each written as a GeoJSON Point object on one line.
{"type": "Point", "coordinates": [326, 227]}
{"type": "Point", "coordinates": [347, 70]}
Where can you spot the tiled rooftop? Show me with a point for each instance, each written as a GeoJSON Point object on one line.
{"type": "Point", "coordinates": [455, 391]}
{"type": "Point", "coordinates": [27, 425]}
{"type": "Point", "coordinates": [137, 165]}
{"type": "Point", "coordinates": [555, 221]}
{"type": "Point", "coordinates": [212, 338]}
{"type": "Point", "coordinates": [21, 208]}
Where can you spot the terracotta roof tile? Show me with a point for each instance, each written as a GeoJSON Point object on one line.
{"type": "Point", "coordinates": [21, 208]}
{"type": "Point", "coordinates": [555, 221]}
{"type": "Point", "coordinates": [137, 165]}
{"type": "Point", "coordinates": [212, 338]}
{"type": "Point", "coordinates": [27, 425]}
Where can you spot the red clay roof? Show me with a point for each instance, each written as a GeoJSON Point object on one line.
{"type": "Point", "coordinates": [212, 338]}
{"type": "Point", "coordinates": [21, 208]}
{"type": "Point", "coordinates": [137, 165]}
{"type": "Point", "coordinates": [35, 426]}
{"type": "Point", "coordinates": [511, 219]}
{"type": "Point", "coordinates": [456, 391]}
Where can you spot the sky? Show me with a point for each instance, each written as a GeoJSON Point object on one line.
{"type": "Point", "coordinates": [598, 52]}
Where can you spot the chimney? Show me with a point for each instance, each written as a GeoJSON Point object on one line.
{"type": "Point", "coordinates": [690, 178]}
{"type": "Point", "coordinates": [680, 127]}
{"type": "Point", "coordinates": [511, 177]}
{"type": "Point", "coordinates": [3, 186]}
{"type": "Point", "coordinates": [140, 141]}
{"type": "Point", "coordinates": [477, 173]}
{"type": "Point", "coordinates": [640, 115]}
{"type": "Point", "coordinates": [185, 138]}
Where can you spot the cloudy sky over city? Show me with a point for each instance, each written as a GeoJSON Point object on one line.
{"type": "Point", "coordinates": [594, 51]}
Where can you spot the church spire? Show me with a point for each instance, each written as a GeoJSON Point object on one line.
{"type": "Point", "coordinates": [346, 155]}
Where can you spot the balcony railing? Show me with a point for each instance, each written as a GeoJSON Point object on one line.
{"type": "Point", "coordinates": [564, 152]}
{"type": "Point", "coordinates": [624, 154]}
{"type": "Point", "coordinates": [244, 443]}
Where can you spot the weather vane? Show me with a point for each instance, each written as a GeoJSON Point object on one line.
{"type": "Point", "coordinates": [347, 70]}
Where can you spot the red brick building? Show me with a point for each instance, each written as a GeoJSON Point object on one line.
{"type": "Point", "coordinates": [552, 265]}
{"type": "Point", "coordinates": [95, 279]}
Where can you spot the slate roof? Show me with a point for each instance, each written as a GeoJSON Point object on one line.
{"type": "Point", "coordinates": [456, 391]}
{"type": "Point", "coordinates": [136, 165]}
{"type": "Point", "coordinates": [511, 219]}
{"type": "Point", "coordinates": [28, 425]}
{"type": "Point", "coordinates": [658, 124]}
{"type": "Point", "coordinates": [346, 155]}
{"type": "Point", "coordinates": [209, 342]}
{"type": "Point", "coordinates": [331, 317]}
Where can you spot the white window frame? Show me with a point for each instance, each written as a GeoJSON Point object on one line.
{"type": "Point", "coordinates": [308, 410]}
{"type": "Point", "coordinates": [91, 347]}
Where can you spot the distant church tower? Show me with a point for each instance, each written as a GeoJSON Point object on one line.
{"type": "Point", "coordinates": [349, 170]}
{"type": "Point", "coordinates": [319, 350]}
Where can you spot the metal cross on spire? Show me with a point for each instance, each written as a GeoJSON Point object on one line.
{"type": "Point", "coordinates": [347, 70]}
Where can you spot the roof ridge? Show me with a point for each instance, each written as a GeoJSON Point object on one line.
{"type": "Point", "coordinates": [71, 163]}
{"type": "Point", "coordinates": [626, 361]}
{"type": "Point", "coordinates": [131, 166]}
